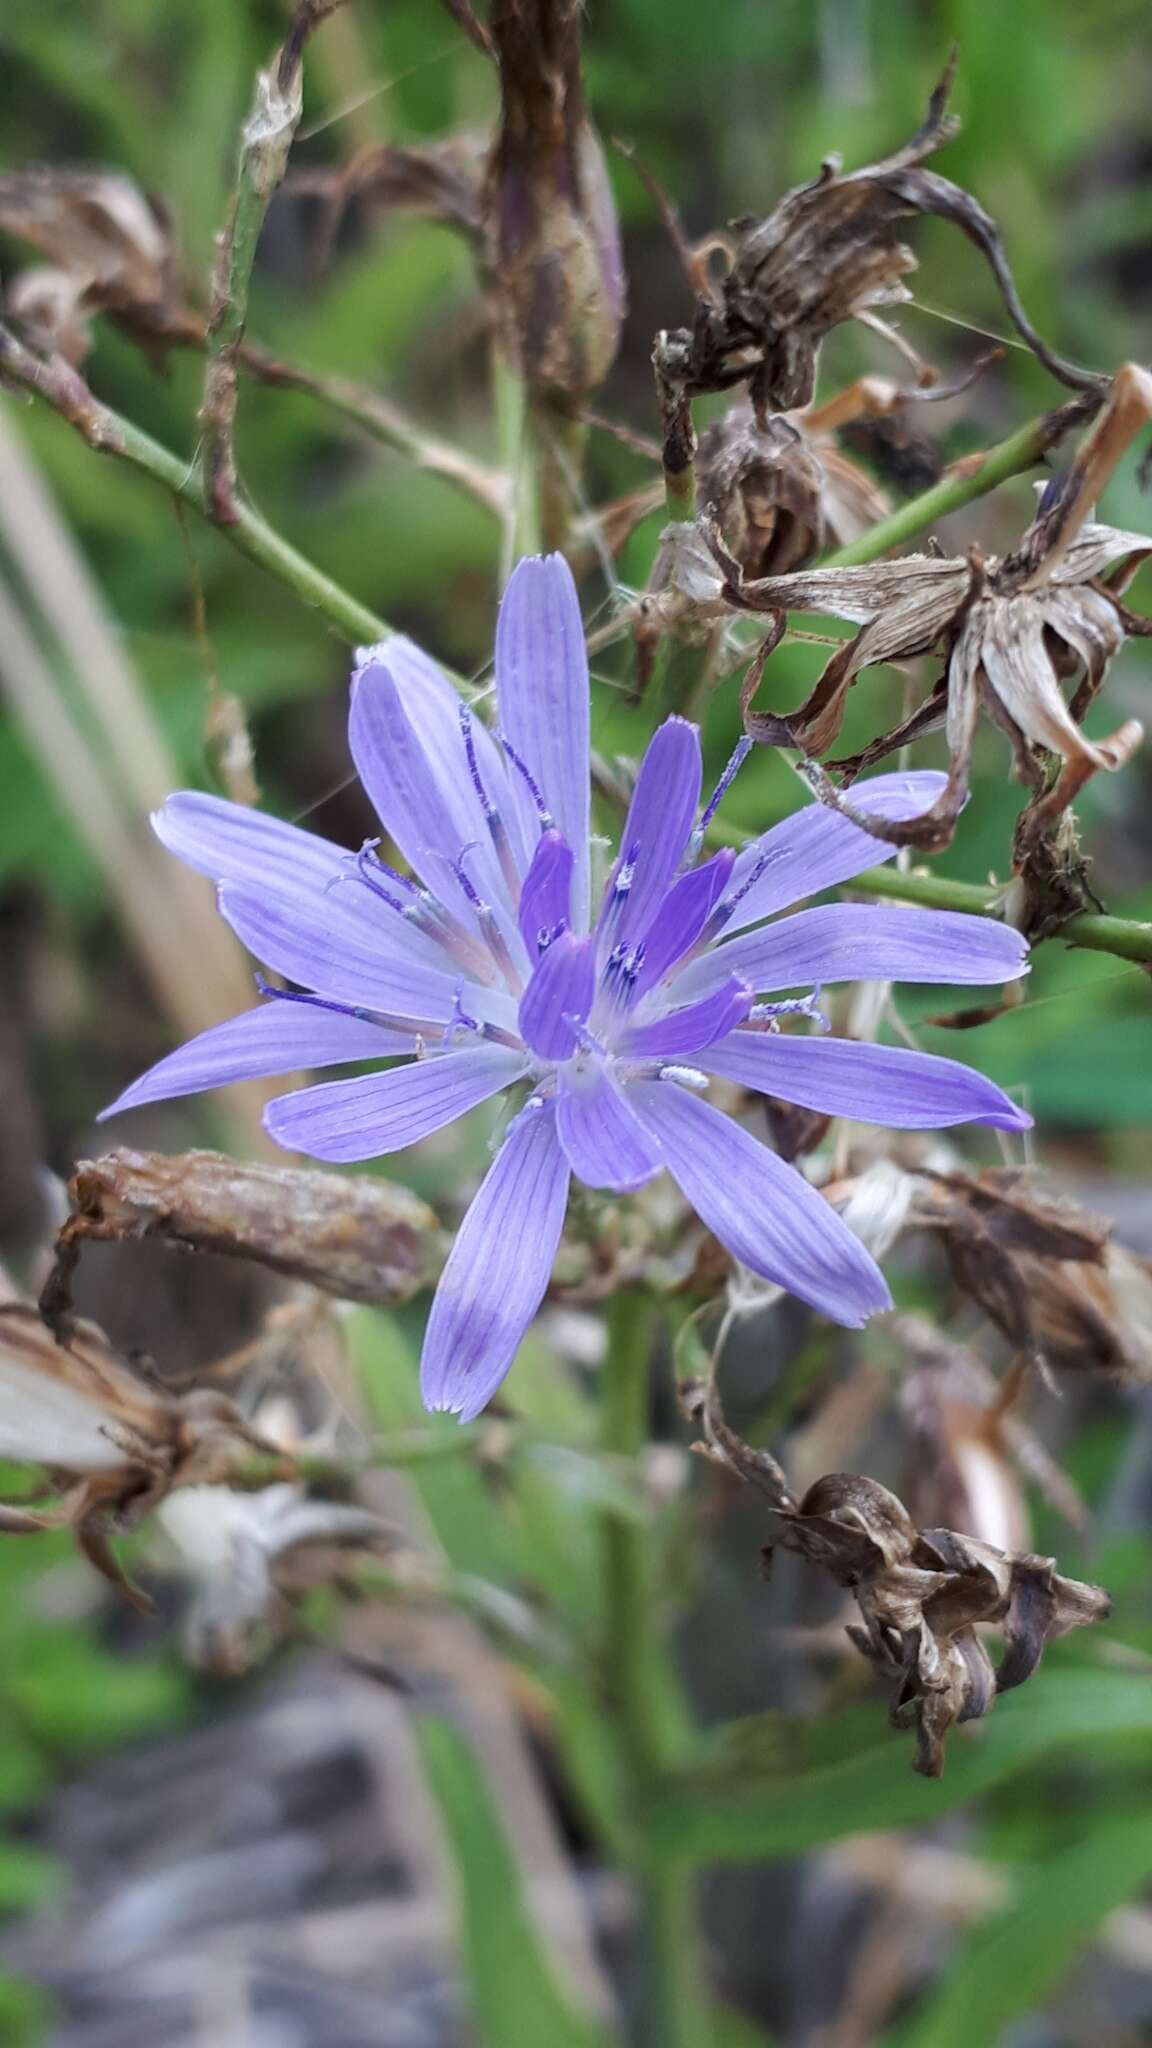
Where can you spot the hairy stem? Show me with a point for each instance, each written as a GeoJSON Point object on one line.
{"type": "Point", "coordinates": [641, 1686]}
{"type": "Point", "coordinates": [972, 478]}
{"type": "Point", "coordinates": [54, 381]}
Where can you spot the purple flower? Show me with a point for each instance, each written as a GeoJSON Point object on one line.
{"type": "Point", "coordinates": [497, 961]}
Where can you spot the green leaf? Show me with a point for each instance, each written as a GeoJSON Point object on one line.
{"type": "Point", "coordinates": [516, 2001]}
{"type": "Point", "coordinates": [743, 1811]}
{"type": "Point", "coordinates": [24, 2015]}
{"type": "Point", "coordinates": [1009, 1965]}
{"type": "Point", "coordinates": [476, 1536]}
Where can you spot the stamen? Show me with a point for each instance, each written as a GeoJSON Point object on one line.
{"type": "Point", "coordinates": [362, 865]}
{"type": "Point", "coordinates": [419, 1026]}
{"type": "Point", "coordinates": [794, 1006]}
{"type": "Point", "coordinates": [488, 922]}
{"type": "Point", "coordinates": [494, 1034]}
{"type": "Point", "coordinates": [621, 974]}
{"type": "Point", "coordinates": [723, 910]}
{"type": "Point", "coordinates": [473, 763]}
{"type": "Point", "coordinates": [547, 821]}
{"type": "Point", "coordinates": [495, 823]}
{"type": "Point", "coordinates": [619, 889]}
{"type": "Point", "coordinates": [463, 877]}
{"type": "Point", "coordinates": [738, 757]}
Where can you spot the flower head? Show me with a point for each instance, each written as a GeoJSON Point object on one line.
{"type": "Point", "coordinates": [498, 961]}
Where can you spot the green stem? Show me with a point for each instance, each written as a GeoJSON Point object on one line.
{"type": "Point", "coordinates": [1022, 450]}
{"type": "Point", "coordinates": [515, 458]}
{"type": "Point", "coordinates": [639, 1682]}
{"type": "Point", "coordinates": [265, 142]}
{"type": "Point", "coordinates": [108, 433]}
{"type": "Point", "coordinates": [558, 447]}
{"type": "Point", "coordinates": [1090, 929]}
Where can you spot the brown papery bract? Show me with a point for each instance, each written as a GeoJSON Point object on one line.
{"type": "Point", "coordinates": [360, 1239]}
{"type": "Point", "coordinates": [112, 1445]}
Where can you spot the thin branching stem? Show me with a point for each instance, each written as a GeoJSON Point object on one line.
{"type": "Point", "coordinates": [637, 1678]}
{"type": "Point", "coordinates": [1093, 931]}
{"type": "Point", "coordinates": [971, 478]}
{"type": "Point", "coordinates": [58, 385]}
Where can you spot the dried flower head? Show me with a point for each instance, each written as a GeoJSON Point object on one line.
{"type": "Point", "coordinates": [553, 259]}
{"type": "Point", "coordinates": [248, 1554]}
{"type": "Point", "coordinates": [829, 252]}
{"type": "Point", "coordinates": [922, 1593]}
{"type": "Point", "coordinates": [496, 964]}
{"type": "Point", "coordinates": [780, 492]}
{"type": "Point", "coordinates": [112, 1445]}
{"type": "Point", "coordinates": [1012, 631]}
{"type": "Point", "coordinates": [365, 1240]}
{"type": "Point", "coordinates": [1049, 1276]}
{"type": "Point", "coordinates": [107, 247]}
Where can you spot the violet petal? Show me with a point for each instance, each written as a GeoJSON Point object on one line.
{"type": "Point", "coordinates": [681, 918]}
{"type": "Point", "coordinates": [307, 942]}
{"type": "Point", "coordinates": [498, 1268]}
{"type": "Point", "coordinates": [232, 843]}
{"type": "Point", "coordinates": [558, 997]}
{"type": "Point", "coordinates": [863, 942]}
{"type": "Point", "coordinates": [542, 691]}
{"type": "Point", "coordinates": [659, 824]}
{"type": "Point", "coordinates": [816, 848]}
{"type": "Point", "coordinates": [373, 1114]}
{"type": "Point", "coordinates": [410, 755]}
{"type": "Point", "coordinates": [692, 1028]}
{"type": "Point", "coordinates": [546, 898]}
{"type": "Point", "coordinates": [274, 1038]}
{"type": "Point", "coordinates": [761, 1209]}
{"type": "Point", "coordinates": [872, 1084]}
{"type": "Point", "coordinates": [605, 1145]}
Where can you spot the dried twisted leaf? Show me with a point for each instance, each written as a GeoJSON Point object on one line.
{"type": "Point", "coordinates": [440, 179]}
{"type": "Point", "coordinates": [364, 1240]}
{"type": "Point", "coordinates": [922, 1593]}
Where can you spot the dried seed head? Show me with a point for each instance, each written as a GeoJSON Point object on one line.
{"type": "Point", "coordinates": [779, 494]}
{"type": "Point", "coordinates": [832, 251]}
{"type": "Point", "coordinates": [1012, 631]}
{"type": "Point", "coordinates": [922, 1593]}
{"type": "Point", "coordinates": [108, 248]}
{"type": "Point", "coordinates": [1046, 1273]}
{"type": "Point", "coordinates": [364, 1240]}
